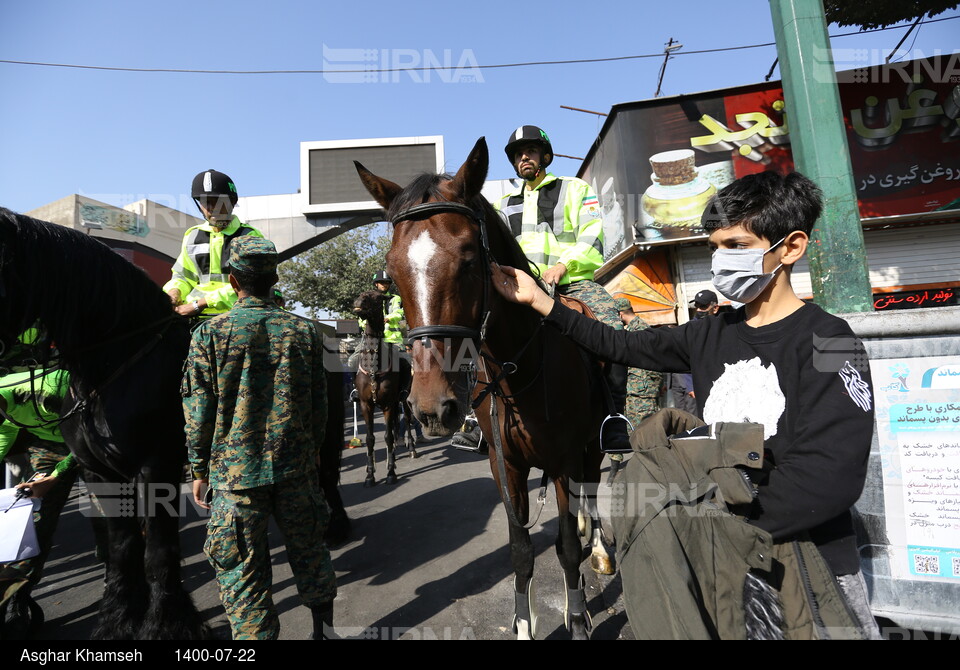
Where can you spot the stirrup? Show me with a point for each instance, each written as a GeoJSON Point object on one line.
{"type": "Point", "coordinates": [611, 447]}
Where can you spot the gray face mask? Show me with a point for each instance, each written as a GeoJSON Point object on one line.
{"type": "Point", "coordinates": [738, 273]}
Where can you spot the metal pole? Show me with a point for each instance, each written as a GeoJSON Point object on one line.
{"type": "Point", "coordinates": [838, 264]}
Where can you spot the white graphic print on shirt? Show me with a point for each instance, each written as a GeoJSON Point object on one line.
{"type": "Point", "coordinates": [858, 389]}
{"type": "Point", "coordinates": [746, 392]}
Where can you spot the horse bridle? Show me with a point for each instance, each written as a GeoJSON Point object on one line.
{"type": "Point", "coordinates": [478, 335]}
{"type": "Point", "coordinates": [437, 331]}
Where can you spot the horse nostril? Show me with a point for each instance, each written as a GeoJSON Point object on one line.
{"type": "Point", "coordinates": [449, 409]}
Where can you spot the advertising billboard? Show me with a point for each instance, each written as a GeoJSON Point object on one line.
{"type": "Point", "coordinates": [659, 161]}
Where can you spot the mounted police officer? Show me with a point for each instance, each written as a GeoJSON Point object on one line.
{"type": "Point", "coordinates": [393, 321]}
{"type": "Point", "coordinates": [200, 286]}
{"type": "Point", "coordinates": [557, 222]}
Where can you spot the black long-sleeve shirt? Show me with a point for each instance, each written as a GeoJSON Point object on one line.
{"type": "Point", "coordinates": [806, 378]}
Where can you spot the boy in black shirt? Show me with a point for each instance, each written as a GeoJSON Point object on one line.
{"type": "Point", "coordinates": [774, 362]}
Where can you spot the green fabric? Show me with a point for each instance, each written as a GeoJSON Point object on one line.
{"type": "Point", "coordinates": [254, 396]}
{"type": "Point", "coordinates": [17, 395]}
{"type": "Point", "coordinates": [684, 552]}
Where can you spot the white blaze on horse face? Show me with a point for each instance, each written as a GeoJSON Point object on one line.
{"type": "Point", "coordinates": [420, 254]}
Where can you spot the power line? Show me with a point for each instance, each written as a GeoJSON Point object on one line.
{"type": "Point", "coordinates": [438, 67]}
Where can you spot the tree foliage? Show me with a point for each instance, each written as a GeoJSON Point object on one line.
{"type": "Point", "coordinates": [882, 13]}
{"type": "Point", "coordinates": [330, 276]}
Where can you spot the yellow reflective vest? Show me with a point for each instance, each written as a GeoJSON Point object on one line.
{"type": "Point", "coordinates": [557, 222]}
{"type": "Point", "coordinates": [202, 268]}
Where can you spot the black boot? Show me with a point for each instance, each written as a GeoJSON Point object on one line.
{"type": "Point", "coordinates": [468, 439]}
{"type": "Point", "coordinates": [323, 622]}
{"type": "Point", "coordinates": [615, 436]}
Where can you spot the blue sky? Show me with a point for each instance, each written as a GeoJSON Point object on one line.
{"type": "Point", "coordinates": [122, 136]}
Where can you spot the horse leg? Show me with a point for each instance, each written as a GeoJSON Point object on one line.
{"type": "Point", "coordinates": [125, 594]}
{"type": "Point", "coordinates": [171, 614]}
{"type": "Point", "coordinates": [569, 551]}
{"type": "Point", "coordinates": [521, 556]}
{"type": "Point", "coordinates": [390, 419]}
{"type": "Point", "coordinates": [371, 479]}
{"type": "Point", "coordinates": [600, 560]}
{"type": "Point", "coordinates": [408, 424]}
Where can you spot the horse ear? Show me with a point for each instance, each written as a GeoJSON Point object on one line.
{"type": "Point", "coordinates": [383, 190]}
{"type": "Point", "coordinates": [472, 174]}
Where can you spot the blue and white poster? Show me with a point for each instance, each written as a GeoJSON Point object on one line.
{"type": "Point", "coordinates": [918, 427]}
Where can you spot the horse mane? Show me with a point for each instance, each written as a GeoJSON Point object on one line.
{"type": "Point", "coordinates": [80, 290]}
{"type": "Point", "coordinates": [503, 246]}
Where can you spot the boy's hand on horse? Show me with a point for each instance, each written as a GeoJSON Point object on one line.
{"type": "Point", "coordinates": [519, 287]}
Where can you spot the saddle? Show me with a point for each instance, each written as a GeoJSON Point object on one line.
{"type": "Point", "coordinates": [577, 305]}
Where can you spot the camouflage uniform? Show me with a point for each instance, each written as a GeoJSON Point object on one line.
{"type": "Point", "coordinates": [254, 396]}
{"type": "Point", "coordinates": [643, 386]}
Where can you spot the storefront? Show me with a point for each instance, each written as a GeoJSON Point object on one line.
{"type": "Point", "coordinates": [657, 162]}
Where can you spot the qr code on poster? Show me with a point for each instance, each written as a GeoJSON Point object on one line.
{"type": "Point", "coordinates": [926, 565]}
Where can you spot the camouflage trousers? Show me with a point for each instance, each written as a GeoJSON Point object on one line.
{"type": "Point", "coordinates": [44, 456]}
{"type": "Point", "coordinates": [237, 548]}
{"type": "Point", "coordinates": [639, 407]}
{"type": "Point", "coordinates": [596, 298]}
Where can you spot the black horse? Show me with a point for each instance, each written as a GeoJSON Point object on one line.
{"type": "Point", "coordinates": [115, 332]}
{"type": "Point", "coordinates": [124, 347]}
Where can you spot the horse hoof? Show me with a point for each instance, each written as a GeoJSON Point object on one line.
{"type": "Point", "coordinates": [369, 481]}
{"type": "Point", "coordinates": [523, 629]}
{"type": "Point", "coordinates": [602, 565]}
{"type": "Point", "coordinates": [391, 478]}
{"type": "Point", "coordinates": [579, 627]}
{"type": "Point", "coordinates": [414, 454]}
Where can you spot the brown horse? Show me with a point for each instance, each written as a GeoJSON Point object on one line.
{"type": "Point", "coordinates": [382, 377]}
{"type": "Point", "coordinates": [536, 398]}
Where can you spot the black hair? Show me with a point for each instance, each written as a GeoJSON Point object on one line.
{"type": "Point", "coordinates": [260, 285]}
{"type": "Point", "coordinates": [767, 204]}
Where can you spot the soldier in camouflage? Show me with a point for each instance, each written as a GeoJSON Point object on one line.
{"type": "Point", "coordinates": [254, 398]}
{"type": "Point", "coordinates": [643, 386]}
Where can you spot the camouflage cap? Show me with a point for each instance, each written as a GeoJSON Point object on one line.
{"type": "Point", "coordinates": [253, 255]}
{"type": "Point", "coordinates": [623, 305]}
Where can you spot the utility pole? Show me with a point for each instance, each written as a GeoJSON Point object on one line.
{"type": "Point", "coordinates": [818, 138]}
{"type": "Point", "coordinates": [668, 48]}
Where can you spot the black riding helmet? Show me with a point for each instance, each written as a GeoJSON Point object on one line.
{"type": "Point", "coordinates": [382, 277]}
{"type": "Point", "coordinates": [525, 134]}
{"type": "Point", "coordinates": [213, 184]}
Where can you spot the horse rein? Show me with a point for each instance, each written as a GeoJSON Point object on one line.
{"type": "Point", "coordinates": [437, 331]}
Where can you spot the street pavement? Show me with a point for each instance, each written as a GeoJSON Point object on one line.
{"type": "Point", "coordinates": [427, 558]}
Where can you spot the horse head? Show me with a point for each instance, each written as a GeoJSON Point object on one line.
{"type": "Point", "coordinates": [439, 265]}
{"type": "Point", "coordinates": [369, 307]}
